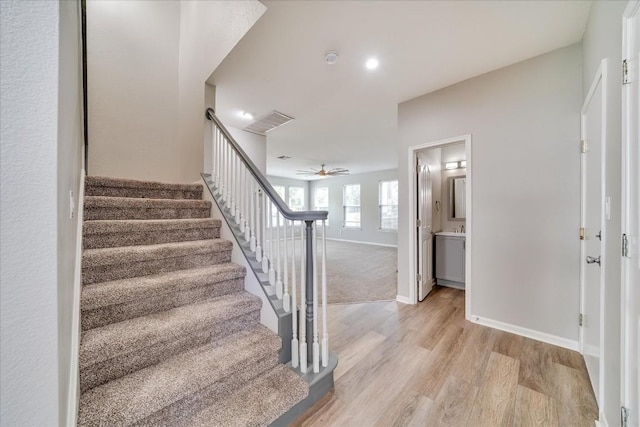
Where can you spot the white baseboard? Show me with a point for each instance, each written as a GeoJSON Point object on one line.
{"type": "Point", "coordinates": [403, 300]}
{"type": "Point", "coordinates": [528, 333]}
{"type": "Point", "coordinates": [363, 243]}
{"type": "Point", "coordinates": [74, 368]}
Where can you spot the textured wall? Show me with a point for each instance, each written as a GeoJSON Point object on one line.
{"type": "Point", "coordinates": [28, 211]}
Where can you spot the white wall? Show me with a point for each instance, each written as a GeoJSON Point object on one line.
{"type": "Point", "coordinates": [603, 39]}
{"type": "Point", "coordinates": [132, 79]}
{"type": "Point", "coordinates": [526, 211]}
{"type": "Point", "coordinates": [254, 145]}
{"type": "Point", "coordinates": [39, 126]}
{"type": "Point", "coordinates": [208, 32]}
{"type": "Point", "coordinates": [70, 141]}
{"type": "Point", "coordinates": [369, 231]}
{"type": "Point", "coordinates": [148, 63]}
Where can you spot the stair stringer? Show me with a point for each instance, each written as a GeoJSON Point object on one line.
{"type": "Point", "coordinates": [272, 315]}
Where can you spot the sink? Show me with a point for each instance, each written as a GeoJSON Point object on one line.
{"type": "Point", "coordinates": [450, 233]}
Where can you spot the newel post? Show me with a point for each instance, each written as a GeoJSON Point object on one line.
{"type": "Point", "coordinates": [309, 287]}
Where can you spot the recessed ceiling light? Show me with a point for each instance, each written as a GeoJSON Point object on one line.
{"type": "Point", "coordinates": [246, 115]}
{"type": "Point", "coordinates": [372, 63]}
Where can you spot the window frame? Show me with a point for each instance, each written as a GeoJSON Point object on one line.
{"type": "Point", "coordinates": [345, 206]}
{"type": "Point", "coordinates": [289, 197]}
{"type": "Point", "coordinates": [381, 205]}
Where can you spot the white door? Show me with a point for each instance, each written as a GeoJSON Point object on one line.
{"type": "Point", "coordinates": [631, 216]}
{"type": "Point", "coordinates": [593, 225]}
{"type": "Point", "coordinates": [425, 232]}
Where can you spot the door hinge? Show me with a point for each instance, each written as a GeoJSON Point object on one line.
{"type": "Point", "coordinates": [581, 319]}
{"type": "Point", "coordinates": [624, 416]}
{"type": "Point", "coordinates": [419, 277]}
{"type": "Point", "coordinates": [581, 233]}
{"type": "Point", "coordinates": [583, 146]}
{"type": "Point", "coordinates": [625, 246]}
{"type": "Point", "coordinates": [625, 72]}
{"type": "Point", "coordinates": [418, 223]}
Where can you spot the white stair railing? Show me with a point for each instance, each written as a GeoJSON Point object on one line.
{"type": "Point", "coordinates": [269, 226]}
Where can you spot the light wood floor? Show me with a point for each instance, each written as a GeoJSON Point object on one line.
{"type": "Point", "coordinates": [426, 365]}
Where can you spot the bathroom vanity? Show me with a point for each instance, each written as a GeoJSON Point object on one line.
{"type": "Point", "coordinates": [450, 259]}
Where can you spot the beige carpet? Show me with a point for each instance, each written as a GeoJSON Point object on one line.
{"type": "Point", "coordinates": [360, 273]}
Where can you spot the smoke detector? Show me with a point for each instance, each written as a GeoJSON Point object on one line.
{"type": "Point", "coordinates": [331, 57]}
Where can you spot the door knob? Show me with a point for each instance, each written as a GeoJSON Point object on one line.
{"type": "Point", "coordinates": [592, 260]}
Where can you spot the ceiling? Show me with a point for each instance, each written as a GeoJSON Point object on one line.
{"type": "Point", "coordinates": [346, 115]}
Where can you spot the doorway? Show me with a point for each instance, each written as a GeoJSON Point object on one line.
{"type": "Point", "coordinates": [432, 212]}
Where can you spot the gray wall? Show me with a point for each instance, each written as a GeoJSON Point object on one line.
{"type": "Point", "coordinates": [40, 164]}
{"type": "Point", "coordinates": [369, 233]}
{"type": "Point", "coordinates": [524, 209]}
{"type": "Point", "coordinates": [603, 39]}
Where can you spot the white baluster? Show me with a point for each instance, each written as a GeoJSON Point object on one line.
{"type": "Point", "coordinates": [286, 298]}
{"type": "Point", "coordinates": [258, 226]}
{"type": "Point", "coordinates": [223, 170]}
{"type": "Point", "coordinates": [237, 185]}
{"type": "Point", "coordinates": [265, 258]}
{"type": "Point", "coordinates": [232, 181]}
{"type": "Point", "coordinates": [325, 332]}
{"type": "Point", "coordinates": [316, 346]}
{"type": "Point", "coordinates": [218, 158]}
{"type": "Point", "coordinates": [245, 205]}
{"type": "Point", "coordinates": [248, 202]}
{"type": "Point", "coordinates": [279, 286]}
{"type": "Point", "coordinates": [228, 174]}
{"type": "Point", "coordinates": [272, 271]}
{"type": "Point", "coordinates": [303, 305]}
{"type": "Point", "coordinates": [294, 311]}
{"type": "Point", "coordinates": [213, 152]}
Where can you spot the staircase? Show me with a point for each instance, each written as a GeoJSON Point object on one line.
{"type": "Point", "coordinates": [169, 336]}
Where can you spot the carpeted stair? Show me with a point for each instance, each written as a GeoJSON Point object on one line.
{"type": "Point", "coordinates": [169, 336]}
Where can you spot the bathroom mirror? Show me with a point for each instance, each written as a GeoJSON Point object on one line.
{"type": "Point", "coordinates": [457, 198]}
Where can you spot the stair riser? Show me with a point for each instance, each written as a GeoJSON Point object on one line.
{"type": "Point", "coordinates": [145, 193]}
{"type": "Point", "coordinates": [98, 213]}
{"type": "Point", "coordinates": [116, 313]}
{"type": "Point", "coordinates": [124, 270]}
{"type": "Point", "coordinates": [176, 415]}
{"type": "Point", "coordinates": [116, 239]}
{"type": "Point", "coordinates": [108, 370]}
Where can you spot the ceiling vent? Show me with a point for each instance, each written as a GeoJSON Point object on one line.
{"type": "Point", "coordinates": [268, 122]}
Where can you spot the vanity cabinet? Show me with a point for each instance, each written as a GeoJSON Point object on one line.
{"type": "Point", "coordinates": [450, 259]}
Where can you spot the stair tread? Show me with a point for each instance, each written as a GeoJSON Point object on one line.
{"type": "Point", "coordinates": [271, 395]}
{"type": "Point", "coordinates": [103, 294]}
{"type": "Point", "coordinates": [139, 253]}
{"type": "Point", "coordinates": [101, 226]}
{"type": "Point", "coordinates": [128, 336]}
{"type": "Point", "coordinates": [105, 181]}
{"type": "Point", "coordinates": [130, 202]}
{"type": "Point", "coordinates": [141, 393]}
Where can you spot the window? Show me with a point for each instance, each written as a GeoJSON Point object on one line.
{"type": "Point", "coordinates": [321, 200]}
{"type": "Point", "coordinates": [351, 205]}
{"type": "Point", "coordinates": [296, 198]}
{"type": "Point", "coordinates": [388, 205]}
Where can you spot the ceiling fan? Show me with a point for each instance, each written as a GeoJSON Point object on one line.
{"type": "Point", "coordinates": [324, 172]}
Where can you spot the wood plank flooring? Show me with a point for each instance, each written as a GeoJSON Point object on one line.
{"type": "Point", "coordinates": [425, 365]}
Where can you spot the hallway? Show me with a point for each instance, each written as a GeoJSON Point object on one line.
{"type": "Point", "coordinates": [432, 367]}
